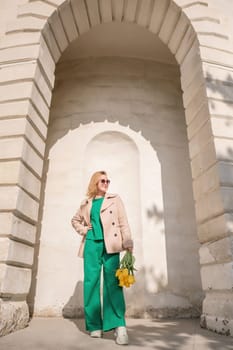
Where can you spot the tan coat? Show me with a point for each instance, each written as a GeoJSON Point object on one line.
{"type": "Point", "coordinates": [117, 235]}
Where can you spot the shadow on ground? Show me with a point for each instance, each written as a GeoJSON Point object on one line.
{"type": "Point", "coordinates": [70, 334]}
{"type": "Point", "coordinates": [169, 335]}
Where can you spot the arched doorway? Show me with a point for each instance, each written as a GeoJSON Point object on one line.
{"type": "Point", "coordinates": [124, 115]}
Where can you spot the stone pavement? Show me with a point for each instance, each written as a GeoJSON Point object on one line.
{"type": "Point", "coordinates": [65, 334]}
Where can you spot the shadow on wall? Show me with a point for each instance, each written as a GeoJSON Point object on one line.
{"type": "Point", "coordinates": [178, 292]}
{"type": "Point", "coordinates": [225, 90]}
{"type": "Point", "coordinates": [155, 214]}
{"type": "Point", "coordinates": [74, 307]}
{"type": "Point", "coordinates": [164, 303]}
{"type": "Point", "coordinates": [221, 91]}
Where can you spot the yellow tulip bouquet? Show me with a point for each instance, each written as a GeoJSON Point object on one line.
{"type": "Point", "coordinates": [125, 272]}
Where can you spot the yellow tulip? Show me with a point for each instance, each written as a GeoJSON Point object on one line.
{"type": "Point", "coordinates": [125, 272]}
{"type": "Point", "coordinates": [121, 283]}
{"type": "Point", "coordinates": [118, 271]}
{"type": "Point", "coordinates": [121, 276]}
{"type": "Point", "coordinates": [131, 279]}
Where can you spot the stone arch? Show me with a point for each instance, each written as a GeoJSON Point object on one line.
{"type": "Point", "coordinates": [33, 44]}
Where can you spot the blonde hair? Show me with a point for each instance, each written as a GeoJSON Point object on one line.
{"type": "Point", "coordinates": [92, 187]}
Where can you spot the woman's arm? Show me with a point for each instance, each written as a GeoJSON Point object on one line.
{"type": "Point", "coordinates": [79, 224]}
{"type": "Point", "coordinates": [124, 226]}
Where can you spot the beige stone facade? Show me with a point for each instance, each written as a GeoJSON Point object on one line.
{"type": "Point", "coordinates": [143, 89]}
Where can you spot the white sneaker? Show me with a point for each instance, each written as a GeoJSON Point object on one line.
{"type": "Point", "coordinates": [96, 334]}
{"type": "Point", "coordinates": [121, 336]}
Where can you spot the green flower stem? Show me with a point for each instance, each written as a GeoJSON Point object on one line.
{"type": "Point", "coordinates": [127, 262]}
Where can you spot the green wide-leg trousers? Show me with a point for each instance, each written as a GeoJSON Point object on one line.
{"type": "Point", "coordinates": [110, 313]}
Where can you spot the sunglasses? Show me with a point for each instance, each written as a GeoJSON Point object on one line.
{"type": "Point", "coordinates": [107, 182]}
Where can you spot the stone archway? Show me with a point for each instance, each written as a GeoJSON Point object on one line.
{"type": "Point", "coordinates": [146, 96]}
{"type": "Point", "coordinates": [32, 46]}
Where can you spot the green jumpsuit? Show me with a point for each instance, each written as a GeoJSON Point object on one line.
{"type": "Point", "coordinates": [110, 314]}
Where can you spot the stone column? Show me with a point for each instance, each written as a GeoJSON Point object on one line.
{"type": "Point", "coordinates": [215, 211]}
{"type": "Point", "coordinates": [25, 94]}
{"type": "Point", "coordinates": [27, 64]}
{"type": "Point", "coordinates": [208, 103]}
{"type": "Point", "coordinates": [20, 171]}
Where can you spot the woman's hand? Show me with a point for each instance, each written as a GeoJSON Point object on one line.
{"type": "Point", "coordinates": [89, 227]}
{"type": "Point", "coordinates": [130, 249]}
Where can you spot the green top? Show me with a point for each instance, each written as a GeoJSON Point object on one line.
{"type": "Point", "coordinates": [97, 230]}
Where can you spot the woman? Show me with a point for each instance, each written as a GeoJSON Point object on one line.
{"type": "Point", "coordinates": [102, 221]}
